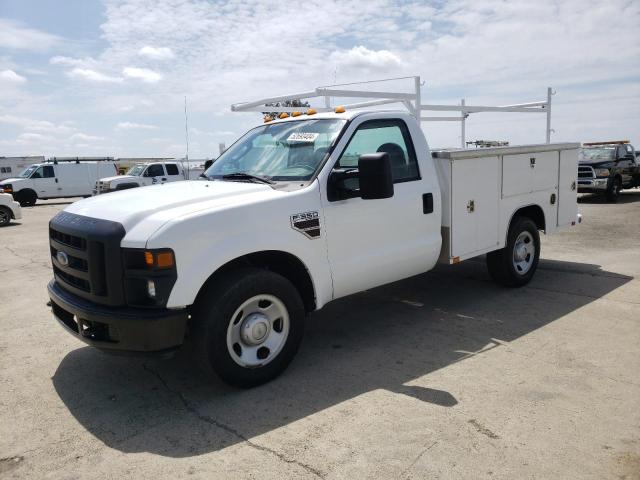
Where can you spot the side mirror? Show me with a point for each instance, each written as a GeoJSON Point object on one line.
{"type": "Point", "coordinates": [376, 181]}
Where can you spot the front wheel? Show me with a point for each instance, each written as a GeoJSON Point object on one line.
{"type": "Point", "coordinates": [5, 216]}
{"type": "Point", "coordinates": [248, 326]}
{"type": "Point", "coordinates": [26, 198]}
{"type": "Point", "coordinates": [515, 264]}
{"type": "Point", "coordinates": [613, 190]}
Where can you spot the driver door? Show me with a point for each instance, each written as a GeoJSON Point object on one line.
{"type": "Point", "coordinates": [45, 182]}
{"type": "Point", "coordinates": [373, 242]}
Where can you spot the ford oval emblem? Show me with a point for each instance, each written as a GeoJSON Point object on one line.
{"type": "Point", "coordinates": [62, 258]}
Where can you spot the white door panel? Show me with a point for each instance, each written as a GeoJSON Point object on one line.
{"type": "Point", "coordinates": [373, 242]}
{"type": "Point", "coordinates": [567, 200]}
{"type": "Point", "coordinates": [474, 198]}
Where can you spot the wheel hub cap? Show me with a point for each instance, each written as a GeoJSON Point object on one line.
{"type": "Point", "coordinates": [255, 329]}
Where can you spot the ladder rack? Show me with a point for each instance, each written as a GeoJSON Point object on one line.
{"type": "Point", "coordinates": [411, 101]}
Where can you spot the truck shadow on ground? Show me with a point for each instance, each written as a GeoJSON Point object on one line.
{"type": "Point", "coordinates": [626, 196]}
{"type": "Point", "coordinates": [380, 339]}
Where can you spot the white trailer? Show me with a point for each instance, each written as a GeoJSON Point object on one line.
{"type": "Point", "coordinates": [11, 167]}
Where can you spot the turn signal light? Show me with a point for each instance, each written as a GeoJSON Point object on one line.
{"type": "Point", "coordinates": [283, 115]}
{"type": "Point", "coordinates": [312, 111]}
{"type": "Point", "coordinates": [267, 118]}
{"type": "Point", "coordinates": [162, 259]}
{"type": "Point", "coordinates": [339, 109]}
{"type": "Point", "coordinates": [296, 114]}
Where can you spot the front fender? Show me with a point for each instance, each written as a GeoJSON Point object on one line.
{"type": "Point", "coordinates": [205, 241]}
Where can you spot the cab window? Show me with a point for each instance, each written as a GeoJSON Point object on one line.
{"type": "Point", "coordinates": [172, 169]}
{"type": "Point", "coordinates": [390, 136]}
{"type": "Point", "coordinates": [44, 172]}
{"type": "Point", "coordinates": [154, 171]}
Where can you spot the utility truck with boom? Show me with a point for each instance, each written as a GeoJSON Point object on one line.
{"type": "Point", "coordinates": [298, 212]}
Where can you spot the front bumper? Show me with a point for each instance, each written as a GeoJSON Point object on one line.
{"type": "Point", "coordinates": [592, 185]}
{"type": "Point", "coordinates": [118, 329]}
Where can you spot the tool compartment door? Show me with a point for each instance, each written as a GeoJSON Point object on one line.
{"type": "Point", "coordinates": [567, 199]}
{"type": "Point", "coordinates": [475, 190]}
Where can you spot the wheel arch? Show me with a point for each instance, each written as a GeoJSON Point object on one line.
{"type": "Point", "coordinates": [534, 212]}
{"type": "Point", "coordinates": [283, 263]}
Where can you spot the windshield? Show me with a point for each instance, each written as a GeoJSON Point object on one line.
{"type": "Point", "coordinates": [281, 151]}
{"type": "Point", "coordinates": [591, 154]}
{"type": "Point", "coordinates": [136, 170]}
{"type": "Point", "coordinates": [27, 173]}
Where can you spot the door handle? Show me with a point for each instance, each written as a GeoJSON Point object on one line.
{"type": "Point", "coordinates": [427, 203]}
{"type": "Point", "coordinates": [164, 179]}
{"type": "Point", "coordinates": [56, 180]}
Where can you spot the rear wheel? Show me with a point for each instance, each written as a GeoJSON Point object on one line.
{"type": "Point", "coordinates": [515, 264]}
{"type": "Point", "coordinates": [5, 216]}
{"type": "Point", "coordinates": [248, 326]}
{"type": "Point", "coordinates": [613, 190]}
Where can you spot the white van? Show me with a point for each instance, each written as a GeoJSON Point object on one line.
{"type": "Point", "coordinates": [57, 180]}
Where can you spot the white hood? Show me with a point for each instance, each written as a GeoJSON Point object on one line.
{"type": "Point", "coordinates": [147, 209]}
{"type": "Point", "coordinates": [119, 177]}
{"type": "Point", "coordinates": [11, 180]}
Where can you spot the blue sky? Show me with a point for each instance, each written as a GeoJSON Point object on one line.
{"type": "Point", "coordinates": [85, 77]}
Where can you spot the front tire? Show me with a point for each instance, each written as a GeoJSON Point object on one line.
{"type": "Point", "coordinates": [248, 326]}
{"type": "Point", "coordinates": [613, 190]}
{"type": "Point", "coordinates": [26, 198]}
{"type": "Point", "coordinates": [515, 264]}
{"type": "Point", "coordinates": [5, 216]}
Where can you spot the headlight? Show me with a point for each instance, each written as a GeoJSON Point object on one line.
{"type": "Point", "coordinates": [149, 276]}
{"type": "Point", "coordinates": [8, 188]}
{"type": "Point", "coordinates": [602, 172]}
{"type": "Point", "coordinates": [106, 185]}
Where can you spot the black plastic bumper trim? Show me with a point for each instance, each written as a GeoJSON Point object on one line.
{"type": "Point", "coordinates": [118, 329]}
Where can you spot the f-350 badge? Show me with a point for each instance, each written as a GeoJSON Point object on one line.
{"type": "Point", "coordinates": [307, 223]}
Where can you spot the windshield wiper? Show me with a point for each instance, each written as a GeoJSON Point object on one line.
{"type": "Point", "coordinates": [247, 176]}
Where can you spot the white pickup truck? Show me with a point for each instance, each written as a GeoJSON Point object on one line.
{"type": "Point", "coordinates": [298, 212]}
{"type": "Point", "coordinates": [142, 175]}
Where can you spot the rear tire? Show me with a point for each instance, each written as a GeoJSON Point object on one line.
{"type": "Point", "coordinates": [5, 216]}
{"type": "Point", "coordinates": [613, 190]}
{"type": "Point", "coordinates": [515, 264]}
{"type": "Point", "coordinates": [247, 326]}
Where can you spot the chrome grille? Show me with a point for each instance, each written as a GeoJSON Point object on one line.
{"type": "Point", "coordinates": [586, 172]}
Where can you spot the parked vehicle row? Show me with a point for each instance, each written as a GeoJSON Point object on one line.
{"type": "Point", "coordinates": [56, 180]}
{"type": "Point", "coordinates": [607, 168]}
{"type": "Point", "coordinates": [298, 212]}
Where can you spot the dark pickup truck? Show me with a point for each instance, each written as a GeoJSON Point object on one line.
{"type": "Point", "coordinates": [607, 167]}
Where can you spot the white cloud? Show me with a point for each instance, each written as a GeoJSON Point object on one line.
{"type": "Point", "coordinates": [488, 51]}
{"type": "Point", "coordinates": [11, 76]}
{"type": "Point", "coordinates": [134, 126]}
{"type": "Point", "coordinates": [37, 125]}
{"type": "Point", "coordinates": [360, 57]}
{"type": "Point", "coordinates": [33, 137]}
{"type": "Point", "coordinates": [143, 74]}
{"type": "Point", "coordinates": [15, 36]}
{"type": "Point", "coordinates": [83, 137]}
{"type": "Point", "coordinates": [156, 53]}
{"type": "Point", "coordinates": [69, 61]}
{"type": "Point", "coordinates": [93, 76]}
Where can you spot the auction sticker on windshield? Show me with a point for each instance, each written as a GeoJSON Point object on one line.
{"type": "Point", "coordinates": [303, 137]}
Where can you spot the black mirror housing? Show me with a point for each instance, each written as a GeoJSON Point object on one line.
{"type": "Point", "coordinates": [376, 181]}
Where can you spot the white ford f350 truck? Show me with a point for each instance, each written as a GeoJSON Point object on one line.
{"type": "Point", "coordinates": [298, 212]}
